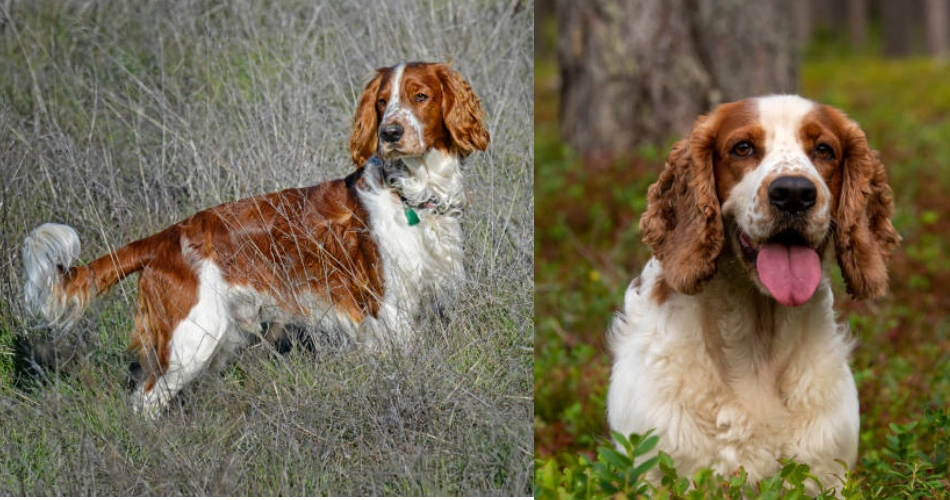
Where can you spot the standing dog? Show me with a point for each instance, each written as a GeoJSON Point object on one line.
{"type": "Point", "coordinates": [359, 255]}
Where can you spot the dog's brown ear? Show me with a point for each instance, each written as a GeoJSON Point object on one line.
{"type": "Point", "coordinates": [683, 222]}
{"type": "Point", "coordinates": [864, 235]}
{"type": "Point", "coordinates": [363, 141]}
{"type": "Point", "coordinates": [462, 112]}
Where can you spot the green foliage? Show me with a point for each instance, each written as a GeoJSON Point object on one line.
{"type": "Point", "coordinates": [638, 471]}
{"type": "Point", "coordinates": [614, 472]}
{"type": "Point", "coordinates": [914, 464]}
{"type": "Point", "coordinates": [587, 249]}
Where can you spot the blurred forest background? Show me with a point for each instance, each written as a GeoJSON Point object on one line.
{"type": "Point", "coordinates": [616, 82]}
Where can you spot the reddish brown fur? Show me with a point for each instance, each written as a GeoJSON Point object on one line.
{"type": "Point", "coordinates": [363, 142]}
{"type": "Point", "coordinates": [683, 223]}
{"type": "Point", "coordinates": [864, 235]}
{"type": "Point", "coordinates": [452, 116]}
{"type": "Point", "coordinates": [296, 246]}
{"type": "Point", "coordinates": [463, 113]}
{"type": "Point", "coordinates": [738, 122]}
{"type": "Point", "coordinates": [287, 244]}
{"type": "Point", "coordinates": [661, 291]}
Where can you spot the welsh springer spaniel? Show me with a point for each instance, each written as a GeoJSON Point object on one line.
{"type": "Point", "coordinates": [727, 344]}
{"type": "Point", "coordinates": [359, 256]}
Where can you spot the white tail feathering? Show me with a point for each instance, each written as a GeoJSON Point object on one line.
{"type": "Point", "coordinates": [48, 252]}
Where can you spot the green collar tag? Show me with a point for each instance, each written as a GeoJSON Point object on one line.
{"type": "Point", "coordinates": [412, 217]}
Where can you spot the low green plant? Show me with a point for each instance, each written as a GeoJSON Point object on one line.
{"type": "Point", "coordinates": [914, 464]}
{"type": "Point", "coordinates": [623, 473]}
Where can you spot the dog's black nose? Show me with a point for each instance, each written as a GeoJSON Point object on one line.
{"type": "Point", "coordinates": [792, 194]}
{"type": "Point", "coordinates": [391, 133]}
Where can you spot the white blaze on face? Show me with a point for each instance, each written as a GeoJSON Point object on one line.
{"type": "Point", "coordinates": [789, 270]}
{"type": "Point", "coordinates": [393, 106]}
{"type": "Point", "coordinates": [781, 117]}
{"type": "Point", "coordinates": [402, 114]}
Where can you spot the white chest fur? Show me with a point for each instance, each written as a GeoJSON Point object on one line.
{"type": "Point", "coordinates": [421, 262]}
{"type": "Point", "coordinates": [725, 383]}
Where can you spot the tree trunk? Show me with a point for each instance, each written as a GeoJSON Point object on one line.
{"type": "Point", "coordinates": [937, 14]}
{"type": "Point", "coordinates": [803, 21]}
{"type": "Point", "coordinates": [897, 27]}
{"type": "Point", "coordinates": [858, 22]}
{"type": "Point", "coordinates": [638, 72]}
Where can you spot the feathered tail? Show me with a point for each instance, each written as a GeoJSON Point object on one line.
{"type": "Point", "coordinates": [59, 293]}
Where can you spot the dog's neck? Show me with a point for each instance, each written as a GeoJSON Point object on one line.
{"type": "Point", "coordinates": [748, 331]}
{"type": "Point", "coordinates": [429, 182]}
{"type": "Point", "coordinates": [421, 247]}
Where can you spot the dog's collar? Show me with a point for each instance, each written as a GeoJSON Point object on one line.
{"type": "Point", "coordinates": [409, 207]}
{"type": "Point", "coordinates": [412, 218]}
{"type": "Point", "coordinates": [431, 204]}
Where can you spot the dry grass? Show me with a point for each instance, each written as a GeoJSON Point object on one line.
{"type": "Point", "coordinates": [120, 118]}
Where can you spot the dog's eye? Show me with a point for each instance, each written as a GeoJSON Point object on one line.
{"type": "Point", "coordinates": [824, 152]}
{"type": "Point", "coordinates": [420, 97]}
{"type": "Point", "coordinates": [381, 103]}
{"type": "Point", "coordinates": [743, 149]}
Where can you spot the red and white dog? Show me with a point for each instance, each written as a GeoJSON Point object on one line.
{"type": "Point", "coordinates": [357, 256]}
{"type": "Point", "coordinates": [727, 346]}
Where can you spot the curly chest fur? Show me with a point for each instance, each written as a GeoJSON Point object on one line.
{"type": "Point", "coordinates": [726, 380]}
{"type": "Point", "coordinates": [421, 261]}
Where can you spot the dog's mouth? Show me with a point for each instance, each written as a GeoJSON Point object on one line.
{"type": "Point", "coordinates": [404, 147]}
{"type": "Point", "coordinates": [394, 169]}
{"type": "Point", "coordinates": [786, 264]}
{"type": "Point", "coordinates": [389, 151]}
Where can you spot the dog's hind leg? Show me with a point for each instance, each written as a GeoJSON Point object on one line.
{"type": "Point", "coordinates": [198, 341]}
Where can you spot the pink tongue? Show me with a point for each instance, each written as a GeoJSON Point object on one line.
{"type": "Point", "coordinates": [790, 273]}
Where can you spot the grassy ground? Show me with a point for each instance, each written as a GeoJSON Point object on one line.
{"type": "Point", "coordinates": [588, 248]}
{"type": "Point", "coordinates": [120, 118]}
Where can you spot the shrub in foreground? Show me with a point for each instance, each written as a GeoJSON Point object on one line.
{"type": "Point", "coordinates": [914, 464]}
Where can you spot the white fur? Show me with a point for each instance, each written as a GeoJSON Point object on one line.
{"type": "Point", "coordinates": [393, 104]}
{"type": "Point", "coordinates": [781, 117]}
{"type": "Point", "coordinates": [421, 262]}
{"type": "Point", "coordinates": [762, 396]}
{"type": "Point", "coordinates": [207, 336]}
{"type": "Point", "coordinates": [396, 112]}
{"type": "Point", "coordinates": [49, 249]}
{"type": "Point", "coordinates": [223, 321]}
{"type": "Point", "coordinates": [728, 377]}
{"type": "Point", "coordinates": [436, 175]}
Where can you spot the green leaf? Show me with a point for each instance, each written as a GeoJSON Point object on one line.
{"type": "Point", "coordinates": [614, 458]}
{"type": "Point", "coordinates": [647, 444]}
{"type": "Point", "coordinates": [641, 469]}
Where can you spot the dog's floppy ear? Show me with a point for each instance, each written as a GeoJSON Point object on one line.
{"type": "Point", "coordinates": [683, 222]}
{"type": "Point", "coordinates": [462, 112]}
{"type": "Point", "coordinates": [864, 235]}
{"type": "Point", "coordinates": [363, 141]}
